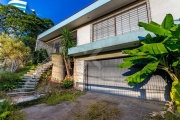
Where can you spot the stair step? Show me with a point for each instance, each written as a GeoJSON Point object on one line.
{"type": "Point", "coordinates": [32, 71]}
{"type": "Point", "coordinates": [30, 80]}
{"type": "Point", "coordinates": [30, 83]}
{"type": "Point", "coordinates": [20, 93]}
{"type": "Point", "coordinates": [23, 89]}
{"type": "Point", "coordinates": [28, 86]}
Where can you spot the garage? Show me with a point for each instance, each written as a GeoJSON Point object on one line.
{"type": "Point", "coordinates": [104, 76]}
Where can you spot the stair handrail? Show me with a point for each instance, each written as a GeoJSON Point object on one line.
{"type": "Point", "coordinates": [40, 66]}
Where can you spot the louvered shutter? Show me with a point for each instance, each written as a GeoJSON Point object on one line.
{"type": "Point", "coordinates": [125, 22]}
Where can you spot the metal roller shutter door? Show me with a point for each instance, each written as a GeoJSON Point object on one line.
{"type": "Point", "coordinates": [104, 76]}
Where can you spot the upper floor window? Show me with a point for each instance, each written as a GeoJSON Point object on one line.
{"type": "Point", "coordinates": [57, 46]}
{"type": "Point", "coordinates": [121, 23]}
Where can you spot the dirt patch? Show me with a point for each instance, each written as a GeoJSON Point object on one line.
{"type": "Point", "coordinates": [102, 110]}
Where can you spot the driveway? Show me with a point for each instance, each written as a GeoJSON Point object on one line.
{"type": "Point", "coordinates": [133, 108]}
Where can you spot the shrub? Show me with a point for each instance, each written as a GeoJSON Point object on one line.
{"type": "Point", "coordinates": [39, 56]}
{"type": "Point", "coordinates": [67, 83]}
{"type": "Point", "coordinates": [8, 81]}
{"type": "Point", "coordinates": [9, 112]}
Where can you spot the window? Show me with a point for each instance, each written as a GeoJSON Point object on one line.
{"type": "Point", "coordinates": [57, 46]}
{"type": "Point", "coordinates": [74, 36]}
{"type": "Point", "coordinates": [121, 23]}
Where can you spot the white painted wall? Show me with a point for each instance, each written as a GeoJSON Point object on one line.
{"type": "Point", "coordinates": [84, 35]}
{"type": "Point", "coordinates": [159, 8]}
{"type": "Point", "coordinates": [78, 74]}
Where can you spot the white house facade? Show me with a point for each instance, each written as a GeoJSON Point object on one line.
{"type": "Point", "coordinates": [102, 30]}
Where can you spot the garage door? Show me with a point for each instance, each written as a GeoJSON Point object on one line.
{"type": "Point", "coordinates": [104, 76]}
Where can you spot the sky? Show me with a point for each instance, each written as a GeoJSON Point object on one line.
{"type": "Point", "coordinates": [56, 10]}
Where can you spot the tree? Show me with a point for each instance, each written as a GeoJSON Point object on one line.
{"type": "Point", "coordinates": [30, 42]}
{"type": "Point", "coordinates": [10, 22]}
{"type": "Point", "coordinates": [13, 50]}
{"type": "Point", "coordinates": [160, 52]}
{"type": "Point", "coordinates": [17, 23]}
{"type": "Point", "coordinates": [67, 42]}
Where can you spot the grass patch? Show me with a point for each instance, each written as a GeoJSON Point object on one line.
{"type": "Point", "coordinates": [10, 112]}
{"type": "Point", "coordinates": [32, 102]}
{"type": "Point", "coordinates": [23, 70]}
{"type": "Point", "coordinates": [2, 94]}
{"type": "Point", "coordinates": [64, 96]}
{"type": "Point", "coordinates": [167, 116]}
{"type": "Point", "coordinates": [103, 110]}
{"type": "Point", "coordinates": [9, 81]}
{"type": "Point", "coordinates": [52, 99]}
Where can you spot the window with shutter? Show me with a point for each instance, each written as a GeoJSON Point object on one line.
{"type": "Point", "coordinates": [121, 23]}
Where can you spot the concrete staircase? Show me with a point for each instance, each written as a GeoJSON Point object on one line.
{"type": "Point", "coordinates": [30, 80]}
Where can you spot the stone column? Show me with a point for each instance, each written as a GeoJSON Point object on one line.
{"type": "Point", "coordinates": [58, 70]}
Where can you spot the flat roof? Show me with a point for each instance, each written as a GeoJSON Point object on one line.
{"type": "Point", "coordinates": [90, 13]}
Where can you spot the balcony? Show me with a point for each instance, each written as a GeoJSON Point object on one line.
{"type": "Point", "coordinates": [116, 32]}
{"type": "Point", "coordinates": [127, 40]}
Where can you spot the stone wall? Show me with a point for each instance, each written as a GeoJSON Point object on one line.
{"type": "Point", "coordinates": [79, 74]}
{"type": "Point", "coordinates": [58, 69]}
{"type": "Point", "coordinates": [43, 45]}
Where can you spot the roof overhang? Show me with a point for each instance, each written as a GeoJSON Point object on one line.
{"type": "Point", "coordinates": [90, 13]}
{"type": "Point", "coordinates": [119, 42]}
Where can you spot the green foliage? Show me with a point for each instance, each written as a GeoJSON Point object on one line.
{"type": "Point", "coordinates": [52, 99]}
{"type": "Point", "coordinates": [67, 41]}
{"type": "Point", "coordinates": [29, 42]}
{"type": "Point", "coordinates": [32, 102]}
{"type": "Point", "coordinates": [175, 96]}
{"type": "Point", "coordinates": [167, 116]}
{"type": "Point", "coordinates": [12, 49]}
{"type": "Point", "coordinates": [9, 112]}
{"type": "Point", "coordinates": [39, 56]}
{"type": "Point", "coordinates": [160, 52]}
{"type": "Point", "coordinates": [44, 79]}
{"type": "Point", "coordinates": [67, 83]}
{"type": "Point", "coordinates": [100, 111]}
{"type": "Point", "coordinates": [8, 81]}
{"type": "Point", "coordinates": [22, 24]}
{"type": "Point", "coordinates": [5, 110]}
{"type": "Point", "coordinates": [56, 98]}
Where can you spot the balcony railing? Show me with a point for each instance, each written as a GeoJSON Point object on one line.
{"type": "Point", "coordinates": [121, 23]}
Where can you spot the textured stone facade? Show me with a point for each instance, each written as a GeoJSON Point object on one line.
{"type": "Point", "coordinates": [58, 70]}
{"type": "Point", "coordinates": [79, 66]}
{"type": "Point", "coordinates": [43, 45]}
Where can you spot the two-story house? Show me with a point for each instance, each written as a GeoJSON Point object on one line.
{"type": "Point", "coordinates": [103, 29]}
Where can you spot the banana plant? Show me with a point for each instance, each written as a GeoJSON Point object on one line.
{"type": "Point", "coordinates": [160, 52]}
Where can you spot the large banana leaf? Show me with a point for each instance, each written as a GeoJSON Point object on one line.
{"type": "Point", "coordinates": [141, 75]}
{"type": "Point", "coordinates": [148, 49]}
{"type": "Point", "coordinates": [173, 47]}
{"type": "Point", "coordinates": [148, 39]}
{"type": "Point", "coordinates": [175, 93]}
{"type": "Point", "coordinates": [155, 29]}
{"type": "Point", "coordinates": [133, 52]}
{"type": "Point", "coordinates": [176, 31]}
{"type": "Point", "coordinates": [130, 61]}
{"type": "Point", "coordinates": [171, 40]}
{"type": "Point", "coordinates": [156, 48]}
{"type": "Point", "coordinates": [155, 24]}
{"type": "Point", "coordinates": [168, 22]}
